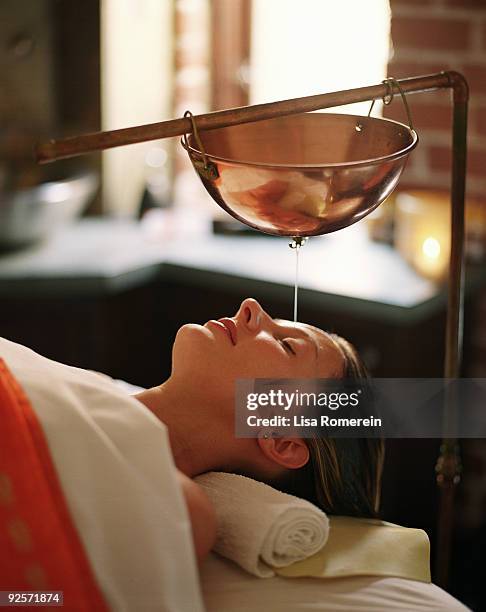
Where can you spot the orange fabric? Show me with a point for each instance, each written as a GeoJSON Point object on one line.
{"type": "Point", "coordinates": [40, 548]}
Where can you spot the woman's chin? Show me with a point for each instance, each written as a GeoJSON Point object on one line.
{"type": "Point", "coordinates": [190, 328]}
{"type": "Point", "coordinates": [192, 346]}
{"type": "Point", "coordinates": [190, 338]}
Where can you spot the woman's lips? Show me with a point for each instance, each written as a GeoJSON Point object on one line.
{"type": "Point", "coordinates": [229, 326]}
{"type": "Point", "coordinates": [226, 327]}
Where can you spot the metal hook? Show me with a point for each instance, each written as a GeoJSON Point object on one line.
{"type": "Point", "coordinates": [394, 82]}
{"type": "Point", "coordinates": [387, 99]}
{"type": "Point", "coordinates": [209, 169]}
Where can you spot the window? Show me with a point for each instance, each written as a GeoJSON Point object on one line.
{"type": "Point", "coordinates": [136, 88]}
{"type": "Point", "coordinates": [314, 46]}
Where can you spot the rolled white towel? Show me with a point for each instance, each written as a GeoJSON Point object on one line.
{"type": "Point", "coordinates": [260, 527]}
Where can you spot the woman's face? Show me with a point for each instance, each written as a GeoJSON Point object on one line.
{"type": "Point", "coordinates": [252, 345]}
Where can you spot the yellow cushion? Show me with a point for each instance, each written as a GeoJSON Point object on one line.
{"type": "Point", "coordinates": [367, 547]}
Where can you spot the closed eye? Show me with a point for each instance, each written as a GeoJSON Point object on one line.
{"type": "Point", "coordinates": [288, 347]}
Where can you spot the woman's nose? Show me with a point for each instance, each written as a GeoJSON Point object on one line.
{"type": "Point", "coordinates": [251, 314]}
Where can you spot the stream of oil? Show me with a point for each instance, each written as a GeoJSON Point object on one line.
{"type": "Point", "coordinates": [296, 282]}
{"type": "Point", "coordinates": [296, 244]}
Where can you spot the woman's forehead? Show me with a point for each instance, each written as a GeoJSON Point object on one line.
{"type": "Point", "coordinates": [317, 334]}
{"type": "Point", "coordinates": [330, 353]}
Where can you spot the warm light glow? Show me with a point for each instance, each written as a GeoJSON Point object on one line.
{"type": "Point", "coordinates": [431, 247]}
{"type": "Point", "coordinates": [310, 47]}
{"type": "Point", "coordinates": [136, 69]}
{"type": "Point", "coordinates": [422, 231]}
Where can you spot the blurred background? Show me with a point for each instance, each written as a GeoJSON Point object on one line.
{"type": "Point", "coordinates": [103, 257]}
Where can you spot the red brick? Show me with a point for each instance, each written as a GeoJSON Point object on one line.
{"type": "Point", "coordinates": [407, 181]}
{"type": "Point", "coordinates": [424, 116]}
{"type": "Point", "coordinates": [430, 33]}
{"type": "Point", "coordinates": [480, 120]}
{"type": "Point", "coordinates": [432, 116]}
{"type": "Point", "coordinates": [476, 163]}
{"type": "Point", "coordinates": [440, 159]}
{"type": "Point", "coordinates": [395, 111]}
{"type": "Point", "coordinates": [476, 77]}
{"type": "Point", "coordinates": [466, 4]}
{"type": "Point", "coordinates": [400, 68]}
{"type": "Point", "coordinates": [406, 3]}
{"type": "Point", "coordinates": [190, 55]}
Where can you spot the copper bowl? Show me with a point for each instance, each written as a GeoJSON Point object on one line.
{"type": "Point", "coordinates": [302, 175]}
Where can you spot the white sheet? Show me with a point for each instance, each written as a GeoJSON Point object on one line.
{"type": "Point", "coordinates": [114, 463]}
{"type": "Point", "coordinates": [227, 588]}
{"type": "Point", "coordinates": [115, 466]}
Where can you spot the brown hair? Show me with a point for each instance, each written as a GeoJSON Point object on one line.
{"type": "Point", "coordinates": [343, 475]}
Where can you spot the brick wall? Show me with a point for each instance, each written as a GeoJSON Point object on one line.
{"type": "Point", "coordinates": [429, 36]}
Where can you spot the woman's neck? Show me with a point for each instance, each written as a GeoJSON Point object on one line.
{"type": "Point", "coordinates": [195, 438]}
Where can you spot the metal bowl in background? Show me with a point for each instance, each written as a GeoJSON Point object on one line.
{"type": "Point", "coordinates": [29, 214]}
{"type": "Point", "coordinates": [302, 175]}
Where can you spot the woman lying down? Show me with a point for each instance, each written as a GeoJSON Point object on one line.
{"type": "Point", "coordinates": [98, 498]}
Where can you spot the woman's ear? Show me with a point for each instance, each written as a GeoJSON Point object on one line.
{"type": "Point", "coordinates": [292, 453]}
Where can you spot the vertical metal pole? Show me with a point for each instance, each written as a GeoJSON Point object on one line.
{"type": "Point", "coordinates": [448, 465]}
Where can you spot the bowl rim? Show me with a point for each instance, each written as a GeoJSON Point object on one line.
{"type": "Point", "coordinates": [193, 151]}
